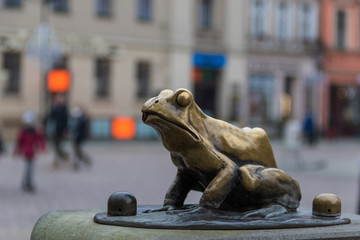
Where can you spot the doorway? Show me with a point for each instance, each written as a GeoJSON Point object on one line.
{"type": "Point", "coordinates": [206, 83]}
{"type": "Point", "coordinates": [344, 110]}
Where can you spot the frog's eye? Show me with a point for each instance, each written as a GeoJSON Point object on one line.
{"type": "Point", "coordinates": [183, 99]}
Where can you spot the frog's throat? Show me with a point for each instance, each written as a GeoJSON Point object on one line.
{"type": "Point", "coordinates": [179, 125]}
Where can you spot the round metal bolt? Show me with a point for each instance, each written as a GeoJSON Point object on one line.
{"type": "Point", "coordinates": [327, 205]}
{"type": "Point", "coordinates": [122, 204]}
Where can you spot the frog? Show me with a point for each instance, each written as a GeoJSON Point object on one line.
{"type": "Point", "coordinates": [233, 167]}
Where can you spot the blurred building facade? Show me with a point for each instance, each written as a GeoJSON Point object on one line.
{"type": "Point", "coordinates": [120, 53]}
{"type": "Point", "coordinates": [282, 38]}
{"type": "Point", "coordinates": [253, 61]}
{"type": "Point", "coordinates": [340, 41]}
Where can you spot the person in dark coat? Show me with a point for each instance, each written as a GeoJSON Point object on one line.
{"type": "Point", "coordinates": [80, 135]}
{"type": "Point", "coordinates": [2, 145]}
{"type": "Point", "coordinates": [28, 142]}
{"type": "Point", "coordinates": [309, 128]}
{"type": "Point", "coordinates": [59, 117]}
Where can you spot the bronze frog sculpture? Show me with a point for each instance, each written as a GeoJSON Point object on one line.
{"type": "Point", "coordinates": [234, 167]}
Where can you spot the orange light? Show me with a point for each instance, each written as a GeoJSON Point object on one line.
{"type": "Point", "coordinates": [58, 81]}
{"type": "Point", "coordinates": [123, 128]}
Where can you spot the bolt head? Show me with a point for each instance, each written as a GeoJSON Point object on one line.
{"type": "Point", "coordinates": [327, 205]}
{"type": "Point", "coordinates": [122, 204]}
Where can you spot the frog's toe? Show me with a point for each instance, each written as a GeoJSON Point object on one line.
{"type": "Point", "coordinates": [184, 209]}
{"type": "Point", "coordinates": [271, 211]}
{"type": "Point", "coordinates": [199, 210]}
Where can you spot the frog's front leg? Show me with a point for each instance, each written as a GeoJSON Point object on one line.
{"type": "Point", "coordinates": [179, 189]}
{"type": "Point", "coordinates": [218, 189]}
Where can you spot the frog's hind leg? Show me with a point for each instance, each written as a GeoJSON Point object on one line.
{"type": "Point", "coordinates": [270, 186]}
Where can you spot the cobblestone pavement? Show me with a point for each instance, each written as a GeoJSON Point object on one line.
{"type": "Point", "coordinates": [144, 168]}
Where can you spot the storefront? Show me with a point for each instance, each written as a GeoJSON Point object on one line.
{"type": "Point", "coordinates": [341, 94]}
{"type": "Point", "coordinates": [344, 110]}
{"type": "Point", "coordinates": [261, 100]}
{"type": "Point", "coordinates": [277, 91]}
{"type": "Point", "coordinates": [207, 75]}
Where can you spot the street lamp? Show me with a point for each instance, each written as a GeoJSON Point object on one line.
{"type": "Point", "coordinates": [44, 46]}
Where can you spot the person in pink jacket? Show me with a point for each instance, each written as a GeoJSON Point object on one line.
{"type": "Point", "coordinates": [28, 142]}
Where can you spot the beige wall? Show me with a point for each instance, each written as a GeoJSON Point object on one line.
{"type": "Point", "coordinates": [167, 42]}
{"type": "Point", "coordinates": [81, 19]}
{"type": "Point", "coordinates": [235, 72]}
{"type": "Point", "coordinates": [122, 99]}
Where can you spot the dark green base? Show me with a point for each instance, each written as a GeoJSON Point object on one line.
{"type": "Point", "coordinates": [79, 225]}
{"type": "Point", "coordinates": [218, 220]}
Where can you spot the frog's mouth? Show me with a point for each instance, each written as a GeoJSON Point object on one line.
{"type": "Point", "coordinates": [146, 114]}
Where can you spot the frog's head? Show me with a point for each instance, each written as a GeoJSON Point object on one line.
{"type": "Point", "coordinates": [172, 114]}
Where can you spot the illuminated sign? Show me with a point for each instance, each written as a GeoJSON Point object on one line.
{"type": "Point", "coordinates": [58, 81]}
{"type": "Point", "coordinates": [123, 128]}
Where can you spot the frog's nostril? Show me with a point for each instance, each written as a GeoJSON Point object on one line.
{"type": "Point", "coordinates": [156, 101]}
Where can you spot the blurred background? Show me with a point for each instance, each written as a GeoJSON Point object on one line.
{"type": "Point", "coordinates": [291, 67]}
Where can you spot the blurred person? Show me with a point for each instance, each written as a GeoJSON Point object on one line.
{"type": "Point", "coordinates": [332, 130]}
{"type": "Point", "coordinates": [59, 117]}
{"type": "Point", "coordinates": [28, 142]}
{"type": "Point", "coordinates": [80, 134]}
{"type": "Point", "coordinates": [293, 141]}
{"type": "Point", "coordinates": [309, 129]}
{"type": "Point", "coordinates": [348, 116]}
{"type": "Point", "coordinates": [2, 145]}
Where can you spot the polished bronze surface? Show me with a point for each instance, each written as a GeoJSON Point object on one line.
{"type": "Point", "coordinates": [234, 167]}
{"type": "Point", "coordinates": [327, 205]}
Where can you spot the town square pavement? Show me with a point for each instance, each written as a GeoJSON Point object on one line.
{"type": "Point", "coordinates": [145, 169]}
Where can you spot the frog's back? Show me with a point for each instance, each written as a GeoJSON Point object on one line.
{"type": "Point", "coordinates": [263, 145]}
{"type": "Point", "coordinates": [241, 144]}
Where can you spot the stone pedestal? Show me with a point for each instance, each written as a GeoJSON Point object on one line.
{"type": "Point", "coordinates": [79, 225]}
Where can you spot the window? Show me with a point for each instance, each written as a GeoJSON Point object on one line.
{"type": "Point", "coordinates": [143, 72]}
{"type": "Point", "coordinates": [359, 32]}
{"type": "Point", "coordinates": [103, 8]}
{"type": "Point", "coordinates": [102, 68]}
{"type": "Point", "coordinates": [259, 19]}
{"type": "Point", "coordinates": [144, 8]}
{"type": "Point", "coordinates": [340, 29]}
{"type": "Point", "coordinates": [282, 23]}
{"type": "Point", "coordinates": [11, 64]}
{"type": "Point", "coordinates": [12, 3]}
{"type": "Point", "coordinates": [100, 128]}
{"type": "Point", "coordinates": [60, 6]}
{"type": "Point", "coordinates": [284, 20]}
{"type": "Point", "coordinates": [205, 14]}
{"type": "Point", "coordinates": [261, 99]}
{"type": "Point", "coordinates": [305, 24]}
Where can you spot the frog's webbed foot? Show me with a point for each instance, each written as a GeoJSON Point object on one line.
{"type": "Point", "coordinates": [194, 213]}
{"type": "Point", "coordinates": [196, 210]}
{"type": "Point", "coordinates": [163, 209]}
{"type": "Point", "coordinates": [185, 210]}
{"type": "Point", "coordinates": [270, 211]}
{"type": "Point", "coordinates": [172, 209]}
